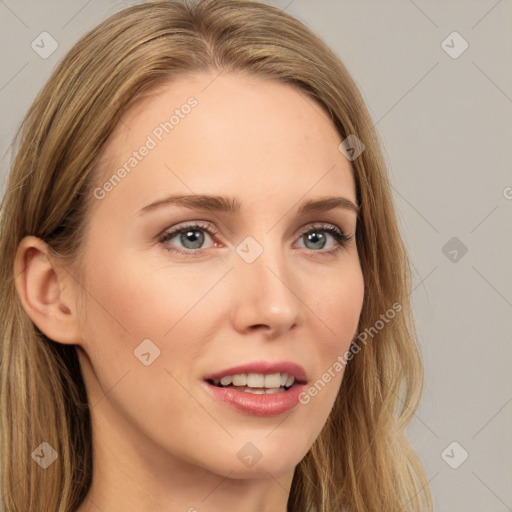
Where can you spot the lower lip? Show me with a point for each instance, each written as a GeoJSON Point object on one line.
{"type": "Point", "coordinates": [258, 405]}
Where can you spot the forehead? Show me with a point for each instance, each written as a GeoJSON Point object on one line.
{"type": "Point", "coordinates": [230, 133]}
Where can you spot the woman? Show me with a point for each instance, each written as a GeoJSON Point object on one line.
{"type": "Point", "coordinates": [205, 295]}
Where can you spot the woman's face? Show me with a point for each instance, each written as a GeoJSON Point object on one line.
{"type": "Point", "coordinates": [265, 284]}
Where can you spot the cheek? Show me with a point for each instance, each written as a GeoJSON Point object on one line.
{"type": "Point", "coordinates": [337, 306]}
{"type": "Point", "coordinates": [336, 314]}
{"type": "Point", "coordinates": [131, 311]}
{"type": "Point", "coordinates": [125, 306]}
{"type": "Point", "coordinates": [142, 301]}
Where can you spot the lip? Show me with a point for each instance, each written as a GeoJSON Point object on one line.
{"type": "Point", "coordinates": [264, 367]}
{"type": "Point", "coordinates": [257, 405]}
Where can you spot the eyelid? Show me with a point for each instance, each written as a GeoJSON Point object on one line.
{"type": "Point", "coordinates": [205, 225]}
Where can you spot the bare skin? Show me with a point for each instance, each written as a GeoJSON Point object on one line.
{"type": "Point", "coordinates": [161, 442]}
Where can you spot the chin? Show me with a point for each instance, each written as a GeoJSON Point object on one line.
{"type": "Point", "coordinates": [251, 462]}
{"type": "Point", "coordinates": [260, 470]}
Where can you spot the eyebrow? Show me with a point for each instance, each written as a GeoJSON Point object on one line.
{"type": "Point", "coordinates": [233, 205]}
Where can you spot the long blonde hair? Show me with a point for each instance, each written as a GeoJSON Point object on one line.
{"type": "Point", "coordinates": [361, 460]}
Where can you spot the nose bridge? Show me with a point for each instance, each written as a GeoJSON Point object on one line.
{"type": "Point", "coordinates": [265, 295]}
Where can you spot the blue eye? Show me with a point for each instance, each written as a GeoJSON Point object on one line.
{"type": "Point", "coordinates": [192, 237]}
{"type": "Point", "coordinates": [316, 235]}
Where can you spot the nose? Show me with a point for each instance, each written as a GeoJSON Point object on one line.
{"type": "Point", "coordinates": [265, 295]}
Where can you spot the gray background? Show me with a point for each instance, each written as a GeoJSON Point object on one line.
{"type": "Point", "coordinates": [446, 129]}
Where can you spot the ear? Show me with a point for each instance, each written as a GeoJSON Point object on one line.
{"type": "Point", "coordinates": [47, 292]}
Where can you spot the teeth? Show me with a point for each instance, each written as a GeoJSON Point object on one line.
{"type": "Point", "coordinates": [273, 381]}
{"type": "Point", "coordinates": [272, 391]}
{"type": "Point", "coordinates": [240, 380]}
{"type": "Point", "coordinates": [255, 380]}
{"type": "Point", "coordinates": [260, 391]}
{"type": "Point", "coordinates": [225, 381]}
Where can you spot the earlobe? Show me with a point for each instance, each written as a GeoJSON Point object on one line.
{"type": "Point", "coordinates": [44, 291]}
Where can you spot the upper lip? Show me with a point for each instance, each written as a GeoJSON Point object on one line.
{"type": "Point", "coordinates": [264, 367]}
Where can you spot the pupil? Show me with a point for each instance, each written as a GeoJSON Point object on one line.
{"type": "Point", "coordinates": [318, 239]}
{"type": "Point", "coordinates": [190, 240]}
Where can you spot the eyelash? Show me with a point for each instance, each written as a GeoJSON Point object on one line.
{"type": "Point", "coordinates": [339, 236]}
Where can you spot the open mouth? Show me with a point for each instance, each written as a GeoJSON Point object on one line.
{"type": "Point", "coordinates": [263, 389]}
{"type": "Point", "coordinates": [259, 390]}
